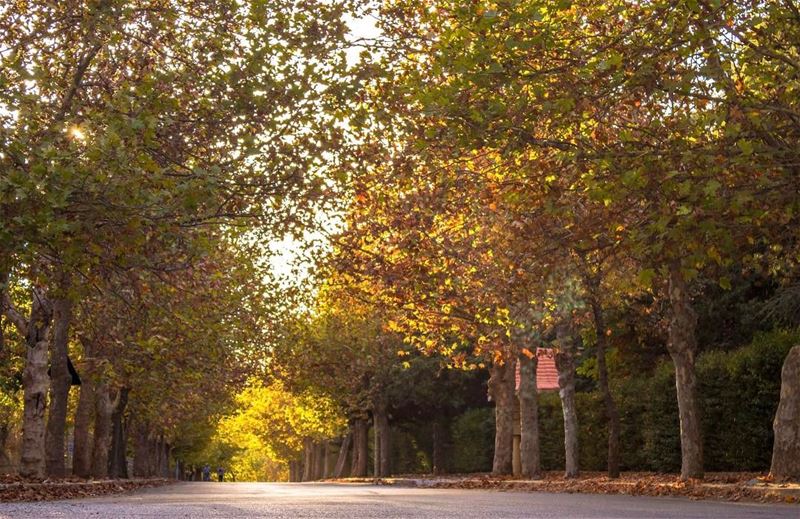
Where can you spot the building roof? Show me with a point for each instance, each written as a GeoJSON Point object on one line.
{"type": "Point", "coordinates": [546, 374]}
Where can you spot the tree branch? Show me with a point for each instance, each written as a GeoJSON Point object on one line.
{"type": "Point", "coordinates": [10, 311]}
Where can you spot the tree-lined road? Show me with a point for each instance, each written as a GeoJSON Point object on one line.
{"type": "Point", "coordinates": [237, 500]}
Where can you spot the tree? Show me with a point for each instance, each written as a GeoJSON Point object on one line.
{"type": "Point", "coordinates": [128, 120]}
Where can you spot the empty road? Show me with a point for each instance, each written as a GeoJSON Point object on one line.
{"type": "Point", "coordinates": [310, 500]}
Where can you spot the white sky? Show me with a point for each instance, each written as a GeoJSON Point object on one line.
{"type": "Point", "coordinates": [289, 251]}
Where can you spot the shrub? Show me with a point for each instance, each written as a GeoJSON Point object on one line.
{"type": "Point", "coordinates": [473, 440]}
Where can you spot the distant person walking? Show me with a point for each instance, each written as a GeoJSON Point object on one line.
{"type": "Point", "coordinates": [206, 472]}
{"type": "Point", "coordinates": [220, 474]}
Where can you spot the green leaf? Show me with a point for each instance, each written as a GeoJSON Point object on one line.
{"type": "Point", "coordinates": [646, 277]}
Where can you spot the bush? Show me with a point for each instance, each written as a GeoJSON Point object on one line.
{"type": "Point", "coordinates": [592, 434]}
{"type": "Point", "coordinates": [473, 441]}
{"type": "Point", "coordinates": [738, 393]}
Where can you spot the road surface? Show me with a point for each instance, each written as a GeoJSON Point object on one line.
{"type": "Point", "coordinates": [310, 500]}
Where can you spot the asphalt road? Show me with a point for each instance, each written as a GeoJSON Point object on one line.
{"type": "Point", "coordinates": [309, 500]}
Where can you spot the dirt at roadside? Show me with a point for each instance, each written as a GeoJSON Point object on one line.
{"type": "Point", "coordinates": [15, 488]}
{"type": "Point", "coordinates": [734, 486]}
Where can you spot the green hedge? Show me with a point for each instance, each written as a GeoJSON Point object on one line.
{"type": "Point", "coordinates": [472, 434]}
{"type": "Point", "coordinates": [738, 392]}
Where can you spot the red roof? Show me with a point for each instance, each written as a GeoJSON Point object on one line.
{"type": "Point", "coordinates": [546, 374]}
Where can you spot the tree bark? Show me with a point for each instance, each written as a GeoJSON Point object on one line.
{"type": "Point", "coordinates": [118, 462]}
{"type": "Point", "coordinates": [501, 389]}
{"type": "Point", "coordinates": [60, 382]}
{"type": "Point", "coordinates": [786, 447]}
{"type": "Point", "coordinates": [682, 347]}
{"type": "Point", "coordinates": [383, 451]}
{"type": "Point", "coordinates": [82, 450]}
{"type": "Point", "coordinates": [104, 408]}
{"type": "Point", "coordinates": [341, 461]}
{"type": "Point", "coordinates": [565, 365]}
{"type": "Point", "coordinates": [376, 447]}
{"type": "Point", "coordinates": [164, 452]}
{"type": "Point", "coordinates": [326, 453]}
{"type": "Point", "coordinates": [530, 454]}
{"type": "Point", "coordinates": [308, 462]}
{"type": "Point", "coordinates": [319, 460]}
{"type": "Point", "coordinates": [35, 385]}
{"type": "Point", "coordinates": [360, 448]}
{"type": "Point", "coordinates": [612, 413]}
{"type": "Point", "coordinates": [153, 455]}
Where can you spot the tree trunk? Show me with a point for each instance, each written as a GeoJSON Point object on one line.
{"type": "Point", "coordinates": [383, 453]}
{"type": "Point", "coordinates": [341, 461]}
{"type": "Point", "coordinates": [786, 448]}
{"type": "Point", "coordinates": [565, 365]}
{"type": "Point", "coordinates": [326, 454]}
{"type": "Point", "coordinates": [164, 451]}
{"type": "Point", "coordinates": [360, 448]}
{"type": "Point", "coordinates": [682, 347]}
{"type": "Point", "coordinates": [319, 460]}
{"type": "Point", "coordinates": [82, 451]}
{"type": "Point", "coordinates": [3, 284]}
{"type": "Point", "coordinates": [35, 385]}
{"type": "Point", "coordinates": [153, 456]}
{"type": "Point", "coordinates": [501, 389]}
{"type": "Point", "coordinates": [102, 432]}
{"type": "Point", "coordinates": [530, 455]}
{"type": "Point", "coordinates": [308, 462]}
{"type": "Point", "coordinates": [118, 462]}
{"type": "Point", "coordinates": [376, 446]}
{"type": "Point", "coordinates": [612, 414]}
{"type": "Point", "coordinates": [60, 382]}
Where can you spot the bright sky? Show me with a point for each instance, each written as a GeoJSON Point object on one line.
{"type": "Point", "coordinates": [289, 251]}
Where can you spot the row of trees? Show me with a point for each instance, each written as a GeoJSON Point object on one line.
{"type": "Point", "coordinates": [145, 147]}
{"type": "Point", "coordinates": [525, 167]}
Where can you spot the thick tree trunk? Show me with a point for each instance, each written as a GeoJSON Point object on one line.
{"type": "Point", "coordinates": [501, 389]}
{"type": "Point", "coordinates": [565, 364]}
{"type": "Point", "coordinates": [163, 460]}
{"type": "Point", "coordinates": [35, 383]}
{"type": "Point", "coordinates": [786, 448]}
{"type": "Point", "coordinates": [440, 441]}
{"type": "Point", "coordinates": [60, 382]}
{"type": "Point", "coordinates": [341, 461]}
{"type": "Point", "coordinates": [104, 408]}
{"type": "Point", "coordinates": [3, 285]}
{"type": "Point", "coordinates": [319, 460]}
{"type": "Point", "coordinates": [82, 450]}
{"type": "Point", "coordinates": [682, 347]}
{"type": "Point", "coordinates": [376, 447]}
{"type": "Point", "coordinates": [326, 453]}
{"type": "Point", "coordinates": [118, 462]}
{"type": "Point", "coordinates": [308, 462]}
{"type": "Point", "coordinates": [356, 440]}
{"type": "Point", "coordinates": [530, 456]}
{"type": "Point", "coordinates": [612, 413]}
{"type": "Point", "coordinates": [383, 452]}
{"type": "Point", "coordinates": [153, 456]}
{"type": "Point", "coordinates": [360, 448]}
